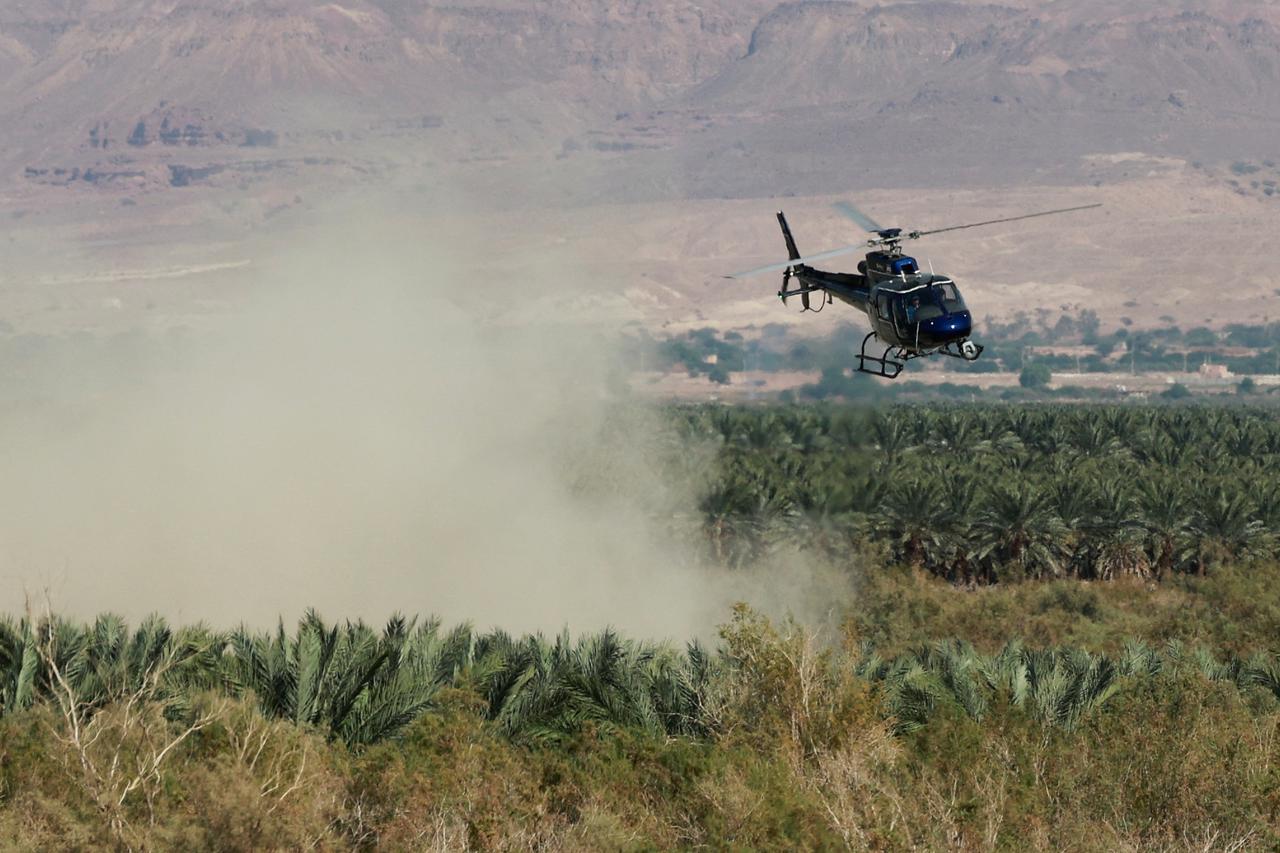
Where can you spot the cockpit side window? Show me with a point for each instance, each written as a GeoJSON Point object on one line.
{"type": "Point", "coordinates": [883, 304]}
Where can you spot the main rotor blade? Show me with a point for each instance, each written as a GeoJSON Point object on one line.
{"type": "Point", "coordinates": [866, 223]}
{"type": "Point", "coordinates": [917, 234]}
{"type": "Point", "coordinates": [798, 261]}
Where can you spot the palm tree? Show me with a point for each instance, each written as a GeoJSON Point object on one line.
{"type": "Point", "coordinates": [421, 659]}
{"type": "Point", "coordinates": [19, 665]}
{"type": "Point", "coordinates": [957, 433]}
{"type": "Point", "coordinates": [103, 662]}
{"type": "Point", "coordinates": [1155, 448]}
{"type": "Point", "coordinates": [1074, 503]}
{"type": "Point", "coordinates": [1166, 520]}
{"type": "Point", "coordinates": [1092, 436]}
{"type": "Point", "coordinates": [912, 517]}
{"type": "Point", "coordinates": [1064, 686]}
{"type": "Point", "coordinates": [1225, 527]}
{"type": "Point", "coordinates": [1016, 526]}
{"type": "Point", "coordinates": [681, 688]}
{"type": "Point", "coordinates": [740, 513]}
{"type": "Point", "coordinates": [891, 436]}
{"type": "Point", "coordinates": [954, 525]}
{"type": "Point", "coordinates": [1115, 532]}
{"type": "Point", "coordinates": [349, 682]}
{"type": "Point", "coordinates": [544, 691]}
{"type": "Point", "coordinates": [1059, 686]}
{"type": "Point", "coordinates": [825, 510]}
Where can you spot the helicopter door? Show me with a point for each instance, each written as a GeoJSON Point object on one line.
{"type": "Point", "coordinates": [900, 318]}
{"type": "Point", "coordinates": [884, 309]}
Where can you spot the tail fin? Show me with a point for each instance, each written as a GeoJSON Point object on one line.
{"type": "Point", "coordinates": [792, 252]}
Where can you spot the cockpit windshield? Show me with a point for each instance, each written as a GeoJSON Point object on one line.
{"type": "Point", "coordinates": [920, 304]}
{"type": "Point", "coordinates": [949, 296]}
{"type": "Point", "coordinates": [927, 305]}
{"type": "Point", "coordinates": [927, 302]}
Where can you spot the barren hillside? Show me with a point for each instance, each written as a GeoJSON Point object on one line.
{"type": "Point", "coordinates": [145, 135]}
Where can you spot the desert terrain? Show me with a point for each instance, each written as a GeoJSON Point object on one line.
{"type": "Point", "coordinates": [638, 151]}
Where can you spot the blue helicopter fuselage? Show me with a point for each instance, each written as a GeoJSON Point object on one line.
{"type": "Point", "coordinates": [906, 308]}
{"type": "Point", "coordinates": [912, 314]}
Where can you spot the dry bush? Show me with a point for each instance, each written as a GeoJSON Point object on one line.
{"type": "Point", "coordinates": [787, 690]}
{"type": "Point", "coordinates": [249, 783]}
{"type": "Point", "coordinates": [118, 751]}
{"type": "Point", "coordinates": [855, 784]}
{"type": "Point", "coordinates": [44, 806]}
{"type": "Point", "coordinates": [238, 782]}
{"type": "Point", "coordinates": [449, 782]}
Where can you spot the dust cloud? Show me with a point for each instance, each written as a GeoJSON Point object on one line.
{"type": "Point", "coordinates": [358, 436]}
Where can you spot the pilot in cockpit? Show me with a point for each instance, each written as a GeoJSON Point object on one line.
{"type": "Point", "coordinates": [913, 309]}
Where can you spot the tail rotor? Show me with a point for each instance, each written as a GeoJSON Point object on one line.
{"type": "Point", "coordinates": [784, 293]}
{"type": "Point", "coordinates": [792, 254]}
{"type": "Point", "coordinates": [794, 267]}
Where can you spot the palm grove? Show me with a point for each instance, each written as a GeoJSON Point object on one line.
{"type": "Point", "coordinates": [981, 495]}
{"type": "Point", "coordinates": [419, 734]}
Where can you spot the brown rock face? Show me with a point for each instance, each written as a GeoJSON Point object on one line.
{"type": "Point", "coordinates": [636, 98]}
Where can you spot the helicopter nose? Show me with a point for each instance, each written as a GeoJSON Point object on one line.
{"type": "Point", "coordinates": [951, 327]}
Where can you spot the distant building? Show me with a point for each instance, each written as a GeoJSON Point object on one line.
{"type": "Point", "coordinates": [1215, 371]}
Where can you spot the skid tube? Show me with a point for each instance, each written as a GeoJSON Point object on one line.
{"type": "Point", "coordinates": [886, 365]}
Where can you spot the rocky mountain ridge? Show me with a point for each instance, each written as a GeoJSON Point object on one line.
{"type": "Point", "coordinates": [640, 99]}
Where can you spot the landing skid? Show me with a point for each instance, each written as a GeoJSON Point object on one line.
{"type": "Point", "coordinates": [890, 362]}
{"type": "Point", "coordinates": [963, 350]}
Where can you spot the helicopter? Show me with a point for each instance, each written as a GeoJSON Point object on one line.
{"type": "Point", "coordinates": [912, 313]}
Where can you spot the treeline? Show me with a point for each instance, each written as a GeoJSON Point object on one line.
{"type": "Point", "coordinates": [1010, 346]}
{"type": "Point", "coordinates": [987, 494]}
{"type": "Point", "coordinates": [360, 686]}
{"type": "Point", "coordinates": [341, 736]}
